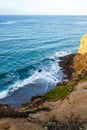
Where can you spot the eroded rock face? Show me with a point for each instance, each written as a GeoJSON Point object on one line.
{"type": "Point", "coordinates": [83, 45]}
{"type": "Point", "coordinates": [74, 66]}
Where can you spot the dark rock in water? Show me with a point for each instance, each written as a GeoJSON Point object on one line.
{"type": "Point", "coordinates": [39, 70]}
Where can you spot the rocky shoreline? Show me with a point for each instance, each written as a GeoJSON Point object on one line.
{"type": "Point", "coordinates": [67, 110]}
{"type": "Point", "coordinates": [74, 66]}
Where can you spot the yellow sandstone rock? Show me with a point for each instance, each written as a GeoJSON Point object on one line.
{"type": "Point", "coordinates": [83, 45]}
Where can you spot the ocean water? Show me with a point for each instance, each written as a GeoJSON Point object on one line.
{"type": "Point", "coordinates": [29, 50]}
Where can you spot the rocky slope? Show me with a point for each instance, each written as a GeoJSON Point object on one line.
{"type": "Point", "coordinates": [74, 66]}
{"type": "Point", "coordinates": [67, 114]}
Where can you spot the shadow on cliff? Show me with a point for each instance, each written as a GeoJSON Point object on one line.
{"type": "Point", "coordinates": [74, 66]}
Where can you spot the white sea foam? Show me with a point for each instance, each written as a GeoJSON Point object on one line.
{"type": "Point", "coordinates": [3, 94]}
{"type": "Point", "coordinates": [51, 76]}
{"type": "Point", "coordinates": [61, 53]}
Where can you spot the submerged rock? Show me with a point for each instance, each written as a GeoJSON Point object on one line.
{"type": "Point", "coordinates": [39, 70]}
{"type": "Point", "coordinates": [83, 45]}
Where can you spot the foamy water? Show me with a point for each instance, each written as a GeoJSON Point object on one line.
{"type": "Point", "coordinates": [50, 76]}
{"type": "Point", "coordinates": [30, 47]}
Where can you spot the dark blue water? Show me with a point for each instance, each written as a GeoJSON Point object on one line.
{"type": "Point", "coordinates": [30, 47]}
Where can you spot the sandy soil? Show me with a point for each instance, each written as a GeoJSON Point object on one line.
{"type": "Point", "coordinates": [18, 124]}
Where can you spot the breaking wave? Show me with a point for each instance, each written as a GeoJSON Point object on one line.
{"type": "Point", "coordinates": [50, 75]}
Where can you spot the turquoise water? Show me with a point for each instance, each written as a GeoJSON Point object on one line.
{"type": "Point", "coordinates": [30, 47]}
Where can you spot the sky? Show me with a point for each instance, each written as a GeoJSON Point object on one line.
{"type": "Point", "coordinates": [43, 7]}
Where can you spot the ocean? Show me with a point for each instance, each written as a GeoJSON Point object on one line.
{"type": "Point", "coordinates": [30, 47]}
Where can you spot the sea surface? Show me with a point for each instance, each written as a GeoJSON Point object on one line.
{"type": "Point", "coordinates": [30, 47]}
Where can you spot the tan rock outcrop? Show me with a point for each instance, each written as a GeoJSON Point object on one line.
{"type": "Point", "coordinates": [83, 45]}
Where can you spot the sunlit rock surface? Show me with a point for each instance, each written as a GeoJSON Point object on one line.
{"type": "Point", "coordinates": [83, 45]}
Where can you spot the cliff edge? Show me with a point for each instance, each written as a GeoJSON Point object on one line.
{"type": "Point", "coordinates": [74, 66]}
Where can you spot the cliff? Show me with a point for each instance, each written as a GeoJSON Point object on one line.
{"type": "Point", "coordinates": [83, 45]}
{"type": "Point", "coordinates": [74, 66]}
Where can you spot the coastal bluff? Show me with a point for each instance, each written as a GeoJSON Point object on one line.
{"type": "Point", "coordinates": [74, 66]}
{"type": "Point", "coordinates": [83, 45]}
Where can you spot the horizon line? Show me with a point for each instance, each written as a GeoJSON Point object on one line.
{"type": "Point", "coordinates": [46, 14]}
